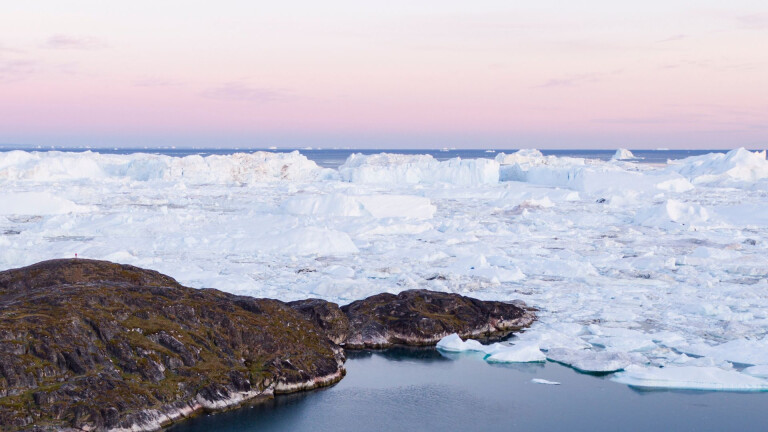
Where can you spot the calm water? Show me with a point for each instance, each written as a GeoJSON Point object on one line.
{"type": "Point", "coordinates": [332, 158]}
{"type": "Point", "coordinates": [422, 390]}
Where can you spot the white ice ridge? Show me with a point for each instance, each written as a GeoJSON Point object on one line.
{"type": "Point", "coordinates": [623, 154]}
{"type": "Point", "coordinates": [590, 176]}
{"type": "Point", "coordinates": [737, 168]}
{"type": "Point", "coordinates": [690, 378]}
{"type": "Point", "coordinates": [621, 259]}
{"type": "Point", "coordinates": [386, 168]}
{"type": "Point", "coordinates": [238, 168]}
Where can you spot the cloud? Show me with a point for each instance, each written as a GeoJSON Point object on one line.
{"type": "Point", "coordinates": [155, 82]}
{"type": "Point", "coordinates": [16, 70]}
{"type": "Point", "coordinates": [73, 42]}
{"type": "Point", "coordinates": [238, 91]}
{"type": "Point", "coordinates": [7, 49]}
{"type": "Point", "coordinates": [676, 37]}
{"type": "Point", "coordinates": [578, 80]}
{"type": "Point", "coordinates": [757, 21]}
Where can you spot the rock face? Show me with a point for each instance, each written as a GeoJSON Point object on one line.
{"type": "Point", "coordinates": [96, 346]}
{"type": "Point", "coordinates": [421, 317]}
{"type": "Point", "coordinates": [327, 315]}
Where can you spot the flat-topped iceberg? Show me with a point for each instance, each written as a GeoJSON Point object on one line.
{"type": "Point", "coordinates": [689, 378]}
{"type": "Point", "coordinates": [386, 168]}
{"type": "Point", "coordinates": [520, 352]}
{"type": "Point", "coordinates": [593, 361]}
{"type": "Point", "coordinates": [241, 168]}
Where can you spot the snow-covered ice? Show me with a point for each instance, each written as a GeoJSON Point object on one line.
{"type": "Point", "coordinates": [521, 352]}
{"type": "Point", "coordinates": [629, 264]}
{"type": "Point", "coordinates": [623, 154]}
{"type": "Point", "coordinates": [691, 378]}
{"type": "Point", "coordinates": [593, 361]}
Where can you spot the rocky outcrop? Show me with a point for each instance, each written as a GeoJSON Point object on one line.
{"type": "Point", "coordinates": [93, 345]}
{"type": "Point", "coordinates": [421, 317]}
{"type": "Point", "coordinates": [327, 315]}
{"type": "Point", "coordinates": [99, 346]}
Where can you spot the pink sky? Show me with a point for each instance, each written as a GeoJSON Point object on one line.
{"type": "Point", "coordinates": [491, 74]}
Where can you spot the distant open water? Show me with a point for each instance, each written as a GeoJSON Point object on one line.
{"type": "Point", "coordinates": [333, 158]}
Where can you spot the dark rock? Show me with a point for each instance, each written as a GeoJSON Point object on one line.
{"type": "Point", "coordinates": [327, 315]}
{"type": "Point", "coordinates": [421, 317]}
{"type": "Point", "coordinates": [95, 345]}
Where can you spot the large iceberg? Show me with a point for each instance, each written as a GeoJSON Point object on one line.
{"type": "Point", "coordinates": [238, 168]}
{"type": "Point", "coordinates": [738, 167]}
{"type": "Point", "coordinates": [386, 168]}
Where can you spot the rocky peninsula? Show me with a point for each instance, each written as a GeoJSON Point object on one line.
{"type": "Point", "coordinates": [95, 346]}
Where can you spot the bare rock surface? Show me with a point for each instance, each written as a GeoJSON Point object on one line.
{"type": "Point", "coordinates": [94, 345]}
{"type": "Point", "coordinates": [421, 317]}
{"type": "Point", "coordinates": [327, 315]}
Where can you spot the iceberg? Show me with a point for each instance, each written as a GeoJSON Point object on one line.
{"type": "Point", "coordinates": [623, 154]}
{"type": "Point", "coordinates": [689, 378]}
{"type": "Point", "coordinates": [454, 343]}
{"type": "Point", "coordinates": [386, 168]}
{"type": "Point", "coordinates": [520, 352]}
{"type": "Point", "coordinates": [593, 361]}
{"type": "Point", "coordinates": [737, 168]}
{"type": "Point", "coordinates": [238, 168]}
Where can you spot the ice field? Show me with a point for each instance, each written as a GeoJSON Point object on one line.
{"type": "Point", "coordinates": [657, 273]}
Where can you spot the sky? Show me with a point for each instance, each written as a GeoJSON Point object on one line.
{"type": "Point", "coordinates": [499, 74]}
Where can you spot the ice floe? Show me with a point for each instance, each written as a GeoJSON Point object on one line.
{"type": "Point", "coordinates": [690, 378]}
{"type": "Point", "coordinates": [543, 381]}
{"type": "Point", "coordinates": [591, 361]}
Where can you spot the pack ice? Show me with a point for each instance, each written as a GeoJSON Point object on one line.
{"type": "Point", "coordinates": [658, 272]}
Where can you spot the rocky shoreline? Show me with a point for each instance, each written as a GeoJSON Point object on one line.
{"type": "Point", "coordinates": [95, 346]}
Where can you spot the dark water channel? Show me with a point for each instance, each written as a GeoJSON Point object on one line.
{"type": "Point", "coordinates": [423, 390]}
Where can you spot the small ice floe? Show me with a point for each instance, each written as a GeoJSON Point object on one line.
{"type": "Point", "coordinates": [593, 361]}
{"type": "Point", "coordinates": [543, 381]}
{"type": "Point", "coordinates": [690, 378]}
